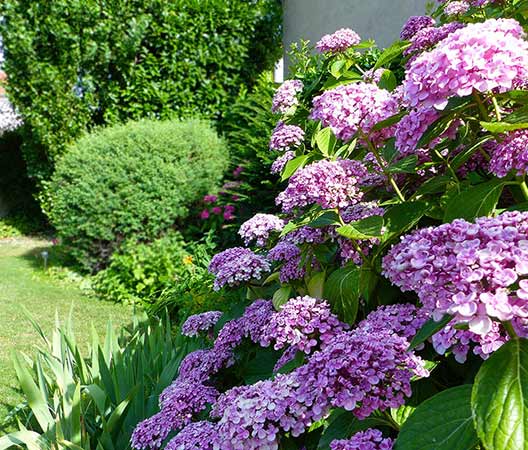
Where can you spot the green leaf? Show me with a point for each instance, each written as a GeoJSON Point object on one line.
{"type": "Point", "coordinates": [391, 53]}
{"type": "Point", "coordinates": [434, 185]}
{"type": "Point", "coordinates": [343, 424]}
{"type": "Point", "coordinates": [296, 362]}
{"type": "Point", "coordinates": [503, 127]}
{"type": "Point", "coordinates": [281, 296]}
{"type": "Point", "coordinates": [500, 398]}
{"type": "Point", "coordinates": [293, 165]}
{"type": "Point", "coordinates": [326, 141]}
{"type": "Point", "coordinates": [325, 219]}
{"type": "Point", "coordinates": [428, 329]}
{"type": "Point", "coordinates": [32, 440]}
{"type": "Point", "coordinates": [389, 121]}
{"type": "Point", "coordinates": [436, 129]}
{"type": "Point", "coordinates": [336, 69]}
{"type": "Point", "coordinates": [477, 201]}
{"type": "Point", "coordinates": [466, 153]}
{"type": "Point", "coordinates": [390, 151]}
{"type": "Point", "coordinates": [316, 285]}
{"type": "Point", "coordinates": [443, 422]}
{"type": "Point", "coordinates": [405, 165]}
{"type": "Point", "coordinates": [402, 217]}
{"type": "Point", "coordinates": [366, 228]}
{"type": "Point", "coordinates": [342, 290]}
{"type": "Point", "coordinates": [388, 80]}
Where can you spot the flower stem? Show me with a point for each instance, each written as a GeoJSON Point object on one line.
{"type": "Point", "coordinates": [524, 188]}
{"type": "Point", "coordinates": [482, 109]}
{"type": "Point", "coordinates": [497, 109]}
{"type": "Point", "coordinates": [509, 329]}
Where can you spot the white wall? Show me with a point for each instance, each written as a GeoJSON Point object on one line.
{"type": "Point", "coordinates": [371, 19]}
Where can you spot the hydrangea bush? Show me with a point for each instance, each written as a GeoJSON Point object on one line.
{"type": "Point", "coordinates": [384, 304]}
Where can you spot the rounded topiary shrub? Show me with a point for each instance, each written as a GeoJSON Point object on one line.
{"type": "Point", "coordinates": [132, 181]}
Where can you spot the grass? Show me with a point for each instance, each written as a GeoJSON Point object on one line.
{"type": "Point", "coordinates": [25, 284]}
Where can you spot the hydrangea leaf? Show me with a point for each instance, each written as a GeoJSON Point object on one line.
{"type": "Point", "coordinates": [366, 228]}
{"type": "Point", "coordinates": [428, 329]}
{"type": "Point", "coordinates": [500, 398]}
{"type": "Point", "coordinates": [326, 141]}
{"type": "Point", "coordinates": [443, 422]}
{"type": "Point", "coordinates": [391, 53]}
{"type": "Point", "coordinates": [293, 165]}
{"type": "Point", "coordinates": [342, 290]}
{"type": "Point", "coordinates": [281, 296]}
{"type": "Point", "coordinates": [503, 127]}
{"type": "Point", "coordinates": [477, 201]}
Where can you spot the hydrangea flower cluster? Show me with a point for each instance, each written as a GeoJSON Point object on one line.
{"type": "Point", "coordinates": [347, 250]}
{"type": "Point", "coordinates": [286, 137]}
{"type": "Point", "coordinates": [511, 154]}
{"type": "Point", "coordinates": [305, 235]}
{"type": "Point", "coordinates": [373, 76]}
{"type": "Point", "coordinates": [361, 372]}
{"type": "Point", "coordinates": [465, 269]}
{"type": "Point", "coordinates": [411, 128]}
{"type": "Point", "coordinates": [456, 8]}
{"type": "Point", "coordinates": [236, 265]}
{"type": "Point", "coordinates": [338, 42]}
{"type": "Point", "coordinates": [9, 119]}
{"type": "Point", "coordinates": [355, 107]}
{"type": "Point", "coordinates": [415, 24]}
{"type": "Point", "coordinates": [286, 96]}
{"type": "Point", "coordinates": [302, 323]}
{"type": "Point", "coordinates": [370, 439]}
{"type": "Point", "coordinates": [280, 163]}
{"type": "Point", "coordinates": [290, 257]}
{"type": "Point", "coordinates": [330, 184]}
{"type": "Point", "coordinates": [428, 37]}
{"type": "Point", "coordinates": [200, 322]}
{"type": "Point", "coordinates": [259, 228]}
{"type": "Point", "coordinates": [195, 436]}
{"type": "Point", "coordinates": [480, 56]}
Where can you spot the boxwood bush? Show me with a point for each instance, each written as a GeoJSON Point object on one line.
{"type": "Point", "coordinates": [132, 181]}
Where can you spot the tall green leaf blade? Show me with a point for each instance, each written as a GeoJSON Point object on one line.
{"type": "Point", "coordinates": [443, 422]}
{"type": "Point", "coordinates": [500, 398]}
{"type": "Point", "coordinates": [32, 440]}
{"type": "Point", "coordinates": [342, 289]}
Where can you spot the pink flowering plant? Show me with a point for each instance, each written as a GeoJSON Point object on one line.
{"type": "Point", "coordinates": [384, 304]}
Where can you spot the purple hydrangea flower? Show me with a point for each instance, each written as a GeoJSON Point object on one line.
{"type": "Point", "coordinates": [428, 37]}
{"type": "Point", "coordinates": [330, 184]}
{"type": "Point", "coordinates": [415, 24]}
{"type": "Point", "coordinates": [456, 8]}
{"type": "Point", "coordinates": [237, 265]}
{"type": "Point", "coordinates": [373, 76]}
{"type": "Point", "coordinates": [370, 439]}
{"type": "Point", "coordinates": [286, 137]}
{"type": "Point", "coordinates": [466, 269]}
{"type": "Point", "coordinates": [305, 235]}
{"type": "Point", "coordinates": [200, 322]}
{"type": "Point", "coordinates": [259, 228]}
{"type": "Point", "coordinates": [510, 154]}
{"type": "Point", "coordinates": [355, 107]}
{"type": "Point", "coordinates": [481, 56]}
{"type": "Point", "coordinates": [195, 436]}
{"type": "Point", "coordinates": [412, 127]}
{"type": "Point", "coordinates": [338, 42]}
{"type": "Point", "coordinates": [290, 257]}
{"type": "Point", "coordinates": [280, 163]}
{"type": "Point", "coordinates": [303, 323]}
{"type": "Point", "coordinates": [286, 96]}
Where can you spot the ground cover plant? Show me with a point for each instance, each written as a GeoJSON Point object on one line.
{"type": "Point", "coordinates": [384, 304]}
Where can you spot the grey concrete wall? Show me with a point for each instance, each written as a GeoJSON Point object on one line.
{"type": "Point", "coordinates": [380, 20]}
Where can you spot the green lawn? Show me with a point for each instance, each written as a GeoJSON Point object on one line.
{"type": "Point", "coordinates": [24, 284]}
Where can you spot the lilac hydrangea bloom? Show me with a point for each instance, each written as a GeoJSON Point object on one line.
{"type": "Point", "coordinates": [456, 8]}
{"type": "Point", "coordinates": [200, 322]}
{"type": "Point", "coordinates": [286, 96]}
{"type": "Point", "coordinates": [280, 163]}
{"type": "Point", "coordinates": [330, 184]}
{"type": "Point", "coordinates": [509, 154]}
{"type": "Point", "coordinates": [361, 372]}
{"type": "Point", "coordinates": [290, 257]}
{"type": "Point", "coordinates": [466, 269]}
{"type": "Point", "coordinates": [415, 24]}
{"type": "Point", "coordinates": [411, 128]}
{"type": "Point", "coordinates": [370, 439]}
{"type": "Point", "coordinates": [355, 107]}
{"type": "Point", "coordinates": [304, 235]}
{"type": "Point", "coordinates": [236, 265]}
{"type": "Point", "coordinates": [195, 436]}
{"type": "Point", "coordinates": [338, 41]}
{"type": "Point", "coordinates": [480, 56]}
{"type": "Point", "coordinates": [303, 323]}
{"type": "Point", "coordinates": [286, 137]}
{"type": "Point", "coordinates": [428, 37]}
{"type": "Point", "coordinates": [259, 228]}
{"type": "Point", "coordinates": [373, 76]}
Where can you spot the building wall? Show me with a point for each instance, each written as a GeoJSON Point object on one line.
{"type": "Point", "coordinates": [375, 19]}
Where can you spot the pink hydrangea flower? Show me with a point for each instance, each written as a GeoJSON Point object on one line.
{"type": "Point", "coordinates": [259, 228]}
{"type": "Point", "coordinates": [415, 24]}
{"type": "Point", "coordinates": [280, 163]}
{"type": "Point", "coordinates": [481, 56]}
{"type": "Point", "coordinates": [338, 42]}
{"type": "Point", "coordinates": [286, 96]}
{"type": "Point", "coordinates": [286, 137]}
{"type": "Point", "coordinates": [510, 154]}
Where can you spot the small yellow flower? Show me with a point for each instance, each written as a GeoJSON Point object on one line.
{"type": "Point", "coordinates": [188, 259]}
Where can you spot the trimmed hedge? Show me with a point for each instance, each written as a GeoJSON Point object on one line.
{"type": "Point", "coordinates": [75, 64]}
{"type": "Point", "coordinates": [132, 181]}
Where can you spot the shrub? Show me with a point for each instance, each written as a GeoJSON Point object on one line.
{"type": "Point", "coordinates": [92, 400]}
{"type": "Point", "coordinates": [132, 181]}
{"type": "Point", "coordinates": [73, 65]}
{"type": "Point", "coordinates": [398, 285]}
